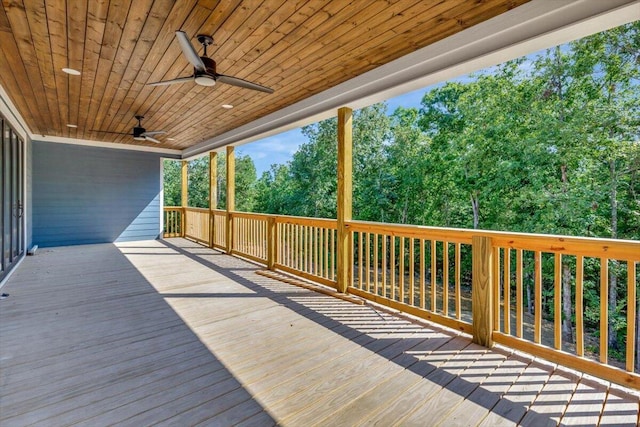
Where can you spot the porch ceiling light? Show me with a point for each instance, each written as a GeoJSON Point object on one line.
{"type": "Point", "coordinates": [227, 106]}
{"type": "Point", "coordinates": [71, 71]}
{"type": "Point", "coordinates": [69, 125]}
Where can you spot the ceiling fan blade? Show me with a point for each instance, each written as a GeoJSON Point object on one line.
{"type": "Point", "coordinates": [189, 51]}
{"type": "Point", "coordinates": [235, 81]}
{"type": "Point", "coordinates": [148, 138]}
{"type": "Point", "coordinates": [172, 81]}
{"type": "Point", "coordinates": [155, 132]}
{"type": "Point", "coordinates": [106, 131]}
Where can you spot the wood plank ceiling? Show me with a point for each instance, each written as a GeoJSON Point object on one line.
{"type": "Point", "coordinates": [298, 48]}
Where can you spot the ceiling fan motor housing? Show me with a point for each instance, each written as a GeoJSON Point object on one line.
{"type": "Point", "coordinates": [137, 132]}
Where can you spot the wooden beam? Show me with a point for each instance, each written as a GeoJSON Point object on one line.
{"type": "Point", "coordinates": [482, 292]}
{"type": "Point", "coordinates": [213, 193]}
{"type": "Point", "coordinates": [184, 193]}
{"type": "Point", "coordinates": [345, 185]}
{"type": "Point", "coordinates": [231, 195]}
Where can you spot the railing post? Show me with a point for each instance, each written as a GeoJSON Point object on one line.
{"type": "Point", "coordinates": [231, 195]}
{"type": "Point", "coordinates": [272, 243]}
{"type": "Point", "coordinates": [345, 172]}
{"type": "Point", "coordinates": [213, 193]}
{"type": "Point", "coordinates": [482, 290]}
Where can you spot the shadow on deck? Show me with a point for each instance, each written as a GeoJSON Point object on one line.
{"type": "Point", "coordinates": [170, 332]}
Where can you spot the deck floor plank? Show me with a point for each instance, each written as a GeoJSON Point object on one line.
{"type": "Point", "coordinates": [172, 333]}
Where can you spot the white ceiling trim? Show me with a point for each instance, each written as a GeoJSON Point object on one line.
{"type": "Point", "coordinates": [10, 112]}
{"type": "Point", "coordinates": [531, 27]}
{"type": "Point", "coordinates": [113, 145]}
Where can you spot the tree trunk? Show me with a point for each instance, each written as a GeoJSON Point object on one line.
{"type": "Point", "coordinates": [567, 304]}
{"type": "Point", "coordinates": [475, 205]}
{"type": "Point", "coordinates": [529, 304]}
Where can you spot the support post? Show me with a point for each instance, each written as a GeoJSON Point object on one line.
{"type": "Point", "coordinates": [184, 195]}
{"type": "Point", "coordinates": [231, 195]}
{"type": "Point", "coordinates": [345, 185]}
{"type": "Point", "coordinates": [272, 243]}
{"type": "Point", "coordinates": [482, 290]}
{"type": "Point", "coordinates": [213, 193]}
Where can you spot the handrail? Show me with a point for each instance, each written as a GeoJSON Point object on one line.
{"type": "Point", "coordinates": [435, 273]}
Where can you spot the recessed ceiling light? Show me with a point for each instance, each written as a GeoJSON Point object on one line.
{"type": "Point", "coordinates": [171, 139]}
{"type": "Point", "coordinates": [71, 71]}
{"type": "Point", "coordinates": [227, 106]}
{"type": "Point", "coordinates": [71, 126]}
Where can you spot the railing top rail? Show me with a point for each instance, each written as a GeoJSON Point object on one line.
{"type": "Point", "coordinates": [219, 211]}
{"type": "Point", "coordinates": [261, 216]}
{"type": "Point", "coordinates": [190, 209]}
{"type": "Point", "coordinates": [585, 246]}
{"type": "Point", "coordinates": [172, 208]}
{"type": "Point", "coordinates": [301, 220]}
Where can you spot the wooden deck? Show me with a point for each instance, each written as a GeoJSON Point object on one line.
{"type": "Point", "coordinates": [172, 333]}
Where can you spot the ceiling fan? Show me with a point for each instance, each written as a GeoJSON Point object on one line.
{"type": "Point", "coordinates": [204, 68]}
{"type": "Point", "coordinates": [139, 133]}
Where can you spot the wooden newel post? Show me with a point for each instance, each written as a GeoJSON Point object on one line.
{"type": "Point", "coordinates": [184, 196]}
{"type": "Point", "coordinates": [272, 243]}
{"type": "Point", "coordinates": [231, 196]}
{"type": "Point", "coordinates": [345, 185]}
{"type": "Point", "coordinates": [213, 193]}
{"type": "Point", "coordinates": [482, 290]}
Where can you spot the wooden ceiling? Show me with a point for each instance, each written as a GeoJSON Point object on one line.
{"type": "Point", "coordinates": [299, 48]}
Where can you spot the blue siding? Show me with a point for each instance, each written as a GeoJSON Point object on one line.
{"type": "Point", "coordinates": [87, 195]}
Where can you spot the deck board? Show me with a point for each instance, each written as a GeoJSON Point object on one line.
{"type": "Point", "coordinates": [171, 333]}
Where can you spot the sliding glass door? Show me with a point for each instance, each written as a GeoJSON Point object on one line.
{"type": "Point", "coordinates": [11, 198]}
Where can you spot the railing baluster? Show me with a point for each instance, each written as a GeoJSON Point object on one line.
{"type": "Point", "coordinates": [537, 274]}
{"type": "Point", "coordinates": [401, 271]}
{"type": "Point", "coordinates": [519, 293]}
{"type": "Point", "coordinates": [411, 271]}
{"type": "Point", "coordinates": [604, 310]}
{"type": "Point", "coordinates": [422, 272]}
{"type": "Point", "coordinates": [631, 314]}
{"type": "Point", "coordinates": [445, 278]}
{"type": "Point", "coordinates": [579, 305]}
{"type": "Point", "coordinates": [384, 265]}
{"type": "Point", "coordinates": [557, 301]}
{"type": "Point", "coordinates": [392, 266]}
{"type": "Point", "coordinates": [367, 255]}
{"type": "Point", "coordinates": [360, 260]}
{"type": "Point", "coordinates": [507, 290]}
{"type": "Point", "coordinates": [376, 282]}
{"type": "Point", "coordinates": [495, 274]}
{"type": "Point", "coordinates": [434, 265]}
{"type": "Point", "coordinates": [457, 273]}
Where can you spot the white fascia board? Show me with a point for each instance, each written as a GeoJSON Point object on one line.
{"type": "Point", "coordinates": [533, 26]}
{"type": "Point", "coordinates": [112, 145]}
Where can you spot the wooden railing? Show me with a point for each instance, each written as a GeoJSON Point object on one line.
{"type": "Point", "coordinates": [219, 234]}
{"type": "Point", "coordinates": [485, 283]}
{"type": "Point", "coordinates": [418, 270]}
{"type": "Point", "coordinates": [250, 235]}
{"type": "Point", "coordinates": [307, 247]}
{"type": "Point", "coordinates": [197, 225]}
{"type": "Point", "coordinates": [173, 225]}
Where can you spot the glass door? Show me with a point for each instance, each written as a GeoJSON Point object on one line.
{"type": "Point", "coordinates": [11, 198]}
